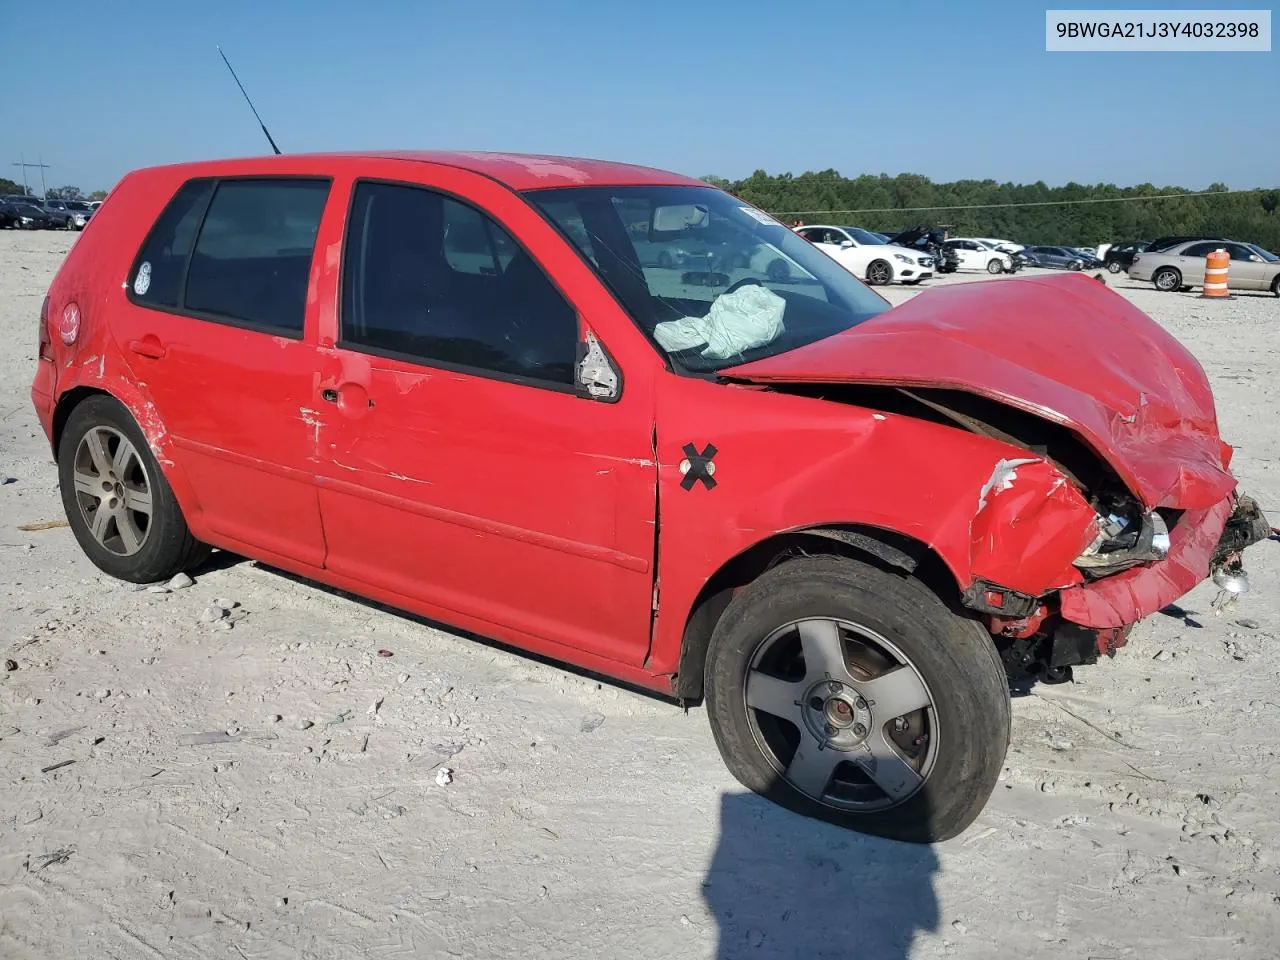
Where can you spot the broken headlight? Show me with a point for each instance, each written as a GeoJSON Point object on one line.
{"type": "Point", "coordinates": [1126, 538]}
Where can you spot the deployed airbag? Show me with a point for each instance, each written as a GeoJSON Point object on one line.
{"type": "Point", "coordinates": [748, 317]}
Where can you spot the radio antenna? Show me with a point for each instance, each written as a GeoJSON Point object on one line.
{"type": "Point", "coordinates": [265, 132]}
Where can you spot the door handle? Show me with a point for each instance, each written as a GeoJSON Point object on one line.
{"type": "Point", "coordinates": [149, 347]}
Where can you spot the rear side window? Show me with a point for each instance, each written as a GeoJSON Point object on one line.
{"type": "Point", "coordinates": [235, 250]}
{"type": "Point", "coordinates": [157, 278]}
{"type": "Point", "coordinates": [428, 278]}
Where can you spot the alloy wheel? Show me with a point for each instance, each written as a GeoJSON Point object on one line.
{"type": "Point", "coordinates": [113, 490]}
{"type": "Point", "coordinates": [841, 714]}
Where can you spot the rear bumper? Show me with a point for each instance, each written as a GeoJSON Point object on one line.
{"type": "Point", "coordinates": [1127, 597]}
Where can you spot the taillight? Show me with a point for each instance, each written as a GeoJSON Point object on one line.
{"type": "Point", "coordinates": [1135, 259]}
{"type": "Point", "coordinates": [46, 345]}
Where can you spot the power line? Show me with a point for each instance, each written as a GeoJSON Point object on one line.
{"type": "Point", "coordinates": [1027, 203]}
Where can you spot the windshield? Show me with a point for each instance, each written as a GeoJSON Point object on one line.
{"type": "Point", "coordinates": [1266, 255]}
{"type": "Point", "coordinates": [864, 237]}
{"type": "Point", "coordinates": [727, 285]}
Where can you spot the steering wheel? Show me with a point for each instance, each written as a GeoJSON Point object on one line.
{"type": "Point", "coordinates": [742, 283]}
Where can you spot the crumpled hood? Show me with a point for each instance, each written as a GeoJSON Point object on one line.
{"type": "Point", "coordinates": [1066, 349]}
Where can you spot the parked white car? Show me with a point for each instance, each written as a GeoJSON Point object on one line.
{"type": "Point", "coordinates": [866, 255]}
{"type": "Point", "coordinates": [980, 255]}
{"type": "Point", "coordinates": [1004, 246]}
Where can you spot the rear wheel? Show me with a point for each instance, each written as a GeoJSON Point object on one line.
{"type": "Point", "coordinates": [995, 266]}
{"type": "Point", "coordinates": [118, 503]}
{"type": "Point", "coordinates": [1167, 279]}
{"type": "Point", "coordinates": [856, 696]}
{"type": "Point", "coordinates": [1275, 285]}
{"type": "Point", "coordinates": [879, 273]}
{"type": "Point", "coordinates": [1114, 266]}
{"type": "Point", "coordinates": [1075, 265]}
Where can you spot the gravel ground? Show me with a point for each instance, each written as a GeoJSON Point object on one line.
{"type": "Point", "coordinates": [274, 790]}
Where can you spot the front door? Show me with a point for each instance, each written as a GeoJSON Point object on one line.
{"type": "Point", "coordinates": [213, 332]}
{"type": "Point", "coordinates": [463, 469]}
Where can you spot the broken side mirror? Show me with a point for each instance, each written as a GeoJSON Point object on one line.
{"type": "Point", "coordinates": [596, 376]}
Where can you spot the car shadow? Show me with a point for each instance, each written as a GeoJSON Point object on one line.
{"type": "Point", "coordinates": [785, 886]}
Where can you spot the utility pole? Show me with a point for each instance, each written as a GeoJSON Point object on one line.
{"type": "Point", "coordinates": [42, 166]}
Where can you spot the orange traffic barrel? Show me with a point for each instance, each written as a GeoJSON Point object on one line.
{"type": "Point", "coordinates": [1215, 273]}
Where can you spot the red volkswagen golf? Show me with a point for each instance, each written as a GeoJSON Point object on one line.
{"type": "Point", "coordinates": [618, 417]}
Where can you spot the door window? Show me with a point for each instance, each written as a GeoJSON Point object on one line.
{"type": "Point", "coordinates": [252, 260]}
{"type": "Point", "coordinates": [429, 278]}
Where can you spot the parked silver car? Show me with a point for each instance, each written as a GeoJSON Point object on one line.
{"type": "Point", "coordinates": [1181, 267]}
{"type": "Point", "coordinates": [77, 212]}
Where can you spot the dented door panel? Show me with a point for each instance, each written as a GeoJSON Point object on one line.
{"type": "Point", "coordinates": [522, 507]}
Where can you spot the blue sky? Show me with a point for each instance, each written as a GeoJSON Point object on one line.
{"type": "Point", "coordinates": [946, 89]}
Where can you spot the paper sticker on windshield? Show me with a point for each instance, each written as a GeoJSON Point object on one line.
{"type": "Point", "coordinates": [759, 215]}
{"type": "Point", "coordinates": [142, 282]}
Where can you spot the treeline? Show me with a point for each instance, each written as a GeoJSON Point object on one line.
{"type": "Point", "coordinates": [884, 201]}
{"type": "Point", "coordinates": [55, 193]}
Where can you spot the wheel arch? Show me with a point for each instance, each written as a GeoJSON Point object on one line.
{"type": "Point", "coordinates": [148, 420]}
{"type": "Point", "coordinates": [886, 549]}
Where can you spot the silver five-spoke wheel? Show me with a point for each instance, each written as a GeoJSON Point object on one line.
{"type": "Point", "coordinates": [113, 490]}
{"type": "Point", "coordinates": [841, 713]}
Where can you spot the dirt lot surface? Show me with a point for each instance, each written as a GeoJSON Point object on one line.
{"type": "Point", "coordinates": [271, 790]}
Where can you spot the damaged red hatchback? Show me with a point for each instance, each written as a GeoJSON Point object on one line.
{"type": "Point", "coordinates": [620, 418]}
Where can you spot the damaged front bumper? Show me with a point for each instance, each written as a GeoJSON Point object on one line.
{"type": "Point", "coordinates": [1203, 543]}
{"type": "Point", "coordinates": [1094, 618]}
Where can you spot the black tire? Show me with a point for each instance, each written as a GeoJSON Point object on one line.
{"type": "Point", "coordinates": [879, 273]}
{"type": "Point", "coordinates": [1114, 266]}
{"type": "Point", "coordinates": [168, 546]}
{"type": "Point", "coordinates": [1275, 286]}
{"type": "Point", "coordinates": [1167, 279]}
{"type": "Point", "coordinates": [994, 266]}
{"type": "Point", "coordinates": [954, 656]}
{"type": "Point", "coordinates": [1075, 265]}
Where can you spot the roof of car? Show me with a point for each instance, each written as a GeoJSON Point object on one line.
{"type": "Point", "coordinates": [519, 171]}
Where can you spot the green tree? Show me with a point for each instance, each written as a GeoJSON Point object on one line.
{"type": "Point", "coordinates": [64, 193]}
{"type": "Point", "coordinates": [1028, 213]}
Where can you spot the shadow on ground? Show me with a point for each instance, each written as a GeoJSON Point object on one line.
{"type": "Point", "coordinates": [784, 886]}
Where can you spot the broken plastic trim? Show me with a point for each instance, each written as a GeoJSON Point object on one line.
{"type": "Point", "coordinates": [1013, 606]}
{"type": "Point", "coordinates": [597, 376]}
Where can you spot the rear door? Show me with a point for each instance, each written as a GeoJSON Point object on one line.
{"type": "Point", "coordinates": [463, 470]}
{"type": "Point", "coordinates": [213, 329]}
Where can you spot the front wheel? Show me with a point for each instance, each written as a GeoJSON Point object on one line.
{"type": "Point", "coordinates": [879, 273]}
{"type": "Point", "coordinates": [994, 266]}
{"type": "Point", "coordinates": [856, 696]}
{"type": "Point", "coordinates": [1275, 286]}
{"type": "Point", "coordinates": [118, 503]}
{"type": "Point", "coordinates": [1167, 279]}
